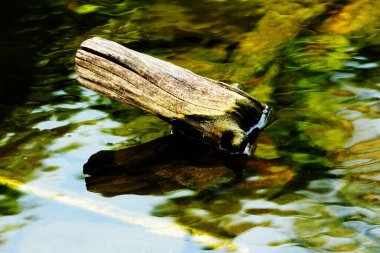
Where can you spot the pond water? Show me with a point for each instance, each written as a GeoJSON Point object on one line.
{"type": "Point", "coordinates": [311, 185]}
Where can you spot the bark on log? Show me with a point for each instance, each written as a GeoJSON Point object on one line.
{"type": "Point", "coordinates": [204, 108]}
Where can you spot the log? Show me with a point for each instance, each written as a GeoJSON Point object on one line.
{"type": "Point", "coordinates": [197, 106]}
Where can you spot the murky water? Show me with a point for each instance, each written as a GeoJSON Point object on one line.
{"type": "Point", "coordinates": [312, 184]}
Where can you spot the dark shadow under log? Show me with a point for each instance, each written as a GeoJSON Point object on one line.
{"type": "Point", "coordinates": [165, 164]}
{"type": "Point", "coordinates": [200, 107]}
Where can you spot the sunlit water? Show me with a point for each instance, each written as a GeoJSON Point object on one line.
{"type": "Point", "coordinates": [312, 184]}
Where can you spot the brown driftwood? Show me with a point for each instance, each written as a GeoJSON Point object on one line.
{"type": "Point", "coordinates": [204, 108]}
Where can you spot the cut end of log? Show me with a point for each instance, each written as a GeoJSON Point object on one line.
{"type": "Point", "coordinates": [201, 107]}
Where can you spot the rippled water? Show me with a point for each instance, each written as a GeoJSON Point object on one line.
{"type": "Point", "coordinates": [312, 184]}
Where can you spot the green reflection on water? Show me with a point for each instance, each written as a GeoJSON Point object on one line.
{"type": "Point", "coordinates": [317, 169]}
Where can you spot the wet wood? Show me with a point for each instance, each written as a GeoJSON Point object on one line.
{"type": "Point", "coordinates": [195, 105]}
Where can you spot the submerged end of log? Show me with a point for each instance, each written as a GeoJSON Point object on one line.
{"type": "Point", "coordinates": [204, 108]}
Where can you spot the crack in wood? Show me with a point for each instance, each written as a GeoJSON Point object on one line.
{"type": "Point", "coordinates": [197, 106]}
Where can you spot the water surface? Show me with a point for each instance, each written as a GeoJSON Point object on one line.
{"type": "Point", "coordinates": [312, 184]}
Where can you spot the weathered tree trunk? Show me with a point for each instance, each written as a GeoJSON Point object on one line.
{"type": "Point", "coordinates": [204, 108]}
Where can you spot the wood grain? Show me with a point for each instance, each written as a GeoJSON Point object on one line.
{"type": "Point", "coordinates": [196, 105]}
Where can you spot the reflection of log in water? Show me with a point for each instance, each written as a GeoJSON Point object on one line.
{"type": "Point", "coordinates": [162, 165]}
{"type": "Point", "coordinates": [176, 162]}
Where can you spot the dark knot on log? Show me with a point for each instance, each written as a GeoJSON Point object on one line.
{"type": "Point", "coordinates": [197, 106]}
